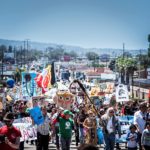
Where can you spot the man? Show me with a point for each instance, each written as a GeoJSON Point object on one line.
{"type": "Point", "coordinates": [56, 126]}
{"type": "Point", "coordinates": [110, 125]}
{"type": "Point", "coordinates": [140, 118]}
{"type": "Point", "coordinates": [43, 131]}
{"type": "Point", "coordinates": [81, 117]}
{"type": "Point", "coordinates": [10, 134]}
{"type": "Point", "coordinates": [66, 125]}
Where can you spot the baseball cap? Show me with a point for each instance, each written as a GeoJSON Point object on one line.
{"type": "Point", "coordinates": [67, 112]}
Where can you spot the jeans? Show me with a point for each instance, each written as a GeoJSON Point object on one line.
{"type": "Point", "coordinates": [42, 141]}
{"type": "Point", "coordinates": [81, 135]}
{"type": "Point", "coordinates": [57, 136]}
{"type": "Point", "coordinates": [139, 137]}
{"type": "Point", "coordinates": [65, 143]}
{"type": "Point", "coordinates": [109, 141]}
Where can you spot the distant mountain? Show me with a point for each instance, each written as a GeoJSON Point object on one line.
{"type": "Point", "coordinates": [81, 51]}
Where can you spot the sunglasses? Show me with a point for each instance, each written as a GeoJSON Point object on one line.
{"type": "Point", "coordinates": [111, 112]}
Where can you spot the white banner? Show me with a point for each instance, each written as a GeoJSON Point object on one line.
{"type": "Point", "coordinates": [28, 131]}
{"type": "Point", "coordinates": [122, 94]}
{"type": "Point", "coordinates": [125, 122]}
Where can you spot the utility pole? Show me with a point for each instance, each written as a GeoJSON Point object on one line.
{"type": "Point", "coordinates": [123, 50]}
{"type": "Point", "coordinates": [21, 55]}
{"type": "Point", "coordinates": [24, 52]}
{"type": "Point", "coordinates": [139, 72]}
{"type": "Point", "coordinates": [123, 71]}
{"type": "Point", "coordinates": [2, 62]}
{"type": "Point", "coordinates": [27, 40]}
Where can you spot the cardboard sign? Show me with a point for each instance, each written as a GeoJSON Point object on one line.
{"type": "Point", "coordinates": [125, 122]}
{"type": "Point", "coordinates": [28, 131]}
{"type": "Point", "coordinates": [36, 115]}
{"type": "Point", "coordinates": [122, 94]}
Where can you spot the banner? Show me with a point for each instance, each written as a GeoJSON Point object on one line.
{"type": "Point", "coordinates": [28, 131]}
{"type": "Point", "coordinates": [122, 94]}
{"type": "Point", "coordinates": [29, 86]}
{"type": "Point", "coordinates": [125, 122]}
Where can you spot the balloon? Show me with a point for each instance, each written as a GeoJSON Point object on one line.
{"type": "Point", "coordinates": [10, 83]}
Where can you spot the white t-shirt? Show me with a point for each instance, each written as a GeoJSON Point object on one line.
{"type": "Point", "coordinates": [139, 119]}
{"type": "Point", "coordinates": [110, 126]}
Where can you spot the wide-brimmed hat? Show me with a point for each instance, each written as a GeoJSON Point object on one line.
{"type": "Point", "coordinates": [67, 112]}
{"type": "Point", "coordinates": [9, 117]}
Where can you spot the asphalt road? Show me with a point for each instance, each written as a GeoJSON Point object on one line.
{"type": "Point", "coordinates": [73, 146]}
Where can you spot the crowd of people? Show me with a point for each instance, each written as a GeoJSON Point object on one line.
{"type": "Point", "coordinates": [83, 121]}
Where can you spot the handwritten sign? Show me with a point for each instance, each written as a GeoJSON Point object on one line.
{"type": "Point", "coordinates": [28, 131]}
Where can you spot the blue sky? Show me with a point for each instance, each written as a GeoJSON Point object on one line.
{"type": "Point", "coordinates": [85, 23]}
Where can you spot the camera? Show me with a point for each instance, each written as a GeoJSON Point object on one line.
{"type": "Point", "coordinates": [2, 138]}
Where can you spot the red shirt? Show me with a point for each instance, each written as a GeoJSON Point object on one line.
{"type": "Point", "coordinates": [11, 134]}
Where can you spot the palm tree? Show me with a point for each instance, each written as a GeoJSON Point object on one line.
{"type": "Point", "coordinates": [126, 66]}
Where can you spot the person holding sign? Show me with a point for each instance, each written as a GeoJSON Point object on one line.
{"type": "Point", "coordinates": [9, 135]}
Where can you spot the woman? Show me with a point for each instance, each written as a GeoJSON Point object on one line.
{"type": "Point", "coordinates": [110, 125]}
{"type": "Point", "coordinates": [10, 133]}
{"type": "Point", "coordinates": [90, 126]}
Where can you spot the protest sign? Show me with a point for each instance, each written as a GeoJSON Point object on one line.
{"type": "Point", "coordinates": [122, 94]}
{"type": "Point", "coordinates": [125, 122]}
{"type": "Point", "coordinates": [29, 86]}
{"type": "Point", "coordinates": [28, 131]}
{"type": "Point", "coordinates": [36, 115]}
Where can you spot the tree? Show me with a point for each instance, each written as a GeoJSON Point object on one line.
{"type": "Point", "coordinates": [10, 48]}
{"type": "Point", "coordinates": [126, 66]}
{"type": "Point", "coordinates": [55, 53]}
{"type": "Point", "coordinates": [92, 55]}
{"type": "Point", "coordinates": [149, 46]}
{"type": "Point", "coordinates": [3, 49]}
{"type": "Point", "coordinates": [112, 65]}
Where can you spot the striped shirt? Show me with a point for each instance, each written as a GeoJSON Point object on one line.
{"type": "Point", "coordinates": [45, 127]}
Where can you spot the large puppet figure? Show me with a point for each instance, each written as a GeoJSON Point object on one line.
{"type": "Point", "coordinates": [64, 99]}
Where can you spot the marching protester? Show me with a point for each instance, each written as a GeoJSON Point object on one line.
{"type": "Point", "coordinates": [110, 125]}
{"type": "Point", "coordinates": [90, 126]}
{"type": "Point", "coordinates": [80, 120]}
{"type": "Point", "coordinates": [140, 118]}
{"type": "Point", "coordinates": [55, 127]}
{"type": "Point", "coordinates": [9, 135]}
{"type": "Point", "coordinates": [43, 131]}
{"type": "Point", "coordinates": [145, 140]}
{"type": "Point", "coordinates": [66, 125]}
{"type": "Point", "coordinates": [132, 138]}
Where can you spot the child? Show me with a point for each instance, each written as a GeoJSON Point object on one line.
{"type": "Point", "coordinates": [132, 138]}
{"type": "Point", "coordinates": [145, 140]}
